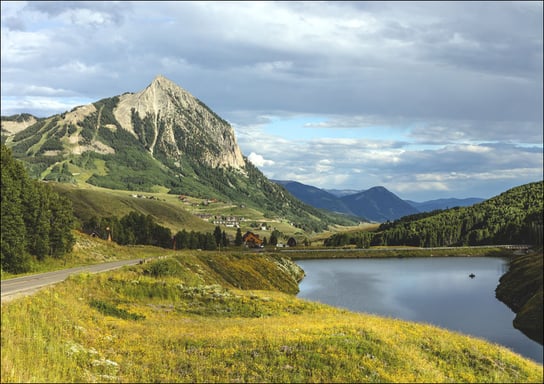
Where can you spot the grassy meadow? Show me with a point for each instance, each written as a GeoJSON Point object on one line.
{"type": "Point", "coordinates": [226, 317]}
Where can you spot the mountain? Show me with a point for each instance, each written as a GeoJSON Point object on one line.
{"type": "Point", "coordinates": [375, 204]}
{"type": "Point", "coordinates": [315, 197]}
{"type": "Point", "coordinates": [432, 205]}
{"type": "Point", "coordinates": [342, 192]}
{"type": "Point", "coordinates": [16, 123]}
{"type": "Point", "coordinates": [378, 204]}
{"type": "Point", "coordinates": [161, 139]}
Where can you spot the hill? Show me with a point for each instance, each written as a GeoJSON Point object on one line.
{"type": "Point", "coordinates": [513, 217]}
{"type": "Point", "coordinates": [161, 139]}
{"type": "Point", "coordinates": [521, 288]}
{"type": "Point", "coordinates": [433, 205]}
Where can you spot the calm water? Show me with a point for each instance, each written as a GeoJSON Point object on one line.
{"type": "Point", "coordinates": [438, 291]}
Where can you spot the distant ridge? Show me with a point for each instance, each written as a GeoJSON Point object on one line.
{"type": "Point", "coordinates": [375, 204]}
{"type": "Point", "coordinates": [378, 204]}
{"type": "Point", "coordinates": [433, 205]}
{"type": "Point", "coordinates": [315, 197]}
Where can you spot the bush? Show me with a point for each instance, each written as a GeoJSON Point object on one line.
{"type": "Point", "coordinates": [111, 310]}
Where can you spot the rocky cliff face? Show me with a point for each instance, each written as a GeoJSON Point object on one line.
{"type": "Point", "coordinates": [175, 122]}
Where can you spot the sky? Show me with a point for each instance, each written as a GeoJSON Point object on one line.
{"type": "Point", "coordinates": [428, 99]}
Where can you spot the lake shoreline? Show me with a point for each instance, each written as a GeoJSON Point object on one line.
{"type": "Point", "coordinates": [397, 252]}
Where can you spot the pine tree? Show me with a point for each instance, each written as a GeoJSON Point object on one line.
{"type": "Point", "coordinates": [14, 257]}
{"type": "Point", "coordinates": [224, 239]}
{"type": "Point", "coordinates": [273, 239]}
{"type": "Point", "coordinates": [238, 239]}
{"type": "Point", "coordinates": [61, 222]}
{"type": "Point", "coordinates": [217, 234]}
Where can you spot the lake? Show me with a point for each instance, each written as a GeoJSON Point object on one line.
{"type": "Point", "coordinates": [437, 290]}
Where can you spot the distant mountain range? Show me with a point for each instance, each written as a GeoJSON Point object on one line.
{"type": "Point", "coordinates": [375, 204]}
{"type": "Point", "coordinates": [432, 205]}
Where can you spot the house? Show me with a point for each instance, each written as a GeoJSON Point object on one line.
{"type": "Point", "coordinates": [252, 240]}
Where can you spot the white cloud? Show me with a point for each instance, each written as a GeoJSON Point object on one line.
{"type": "Point", "coordinates": [258, 160]}
{"type": "Point", "coordinates": [400, 89]}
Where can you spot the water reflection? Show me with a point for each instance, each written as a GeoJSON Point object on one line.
{"type": "Point", "coordinates": [439, 291]}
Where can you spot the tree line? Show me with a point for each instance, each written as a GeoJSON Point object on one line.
{"type": "Point", "coordinates": [139, 229]}
{"type": "Point", "coordinates": [513, 217]}
{"type": "Point", "coordinates": [36, 221]}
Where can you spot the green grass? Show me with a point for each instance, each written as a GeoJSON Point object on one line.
{"type": "Point", "coordinates": [401, 252]}
{"type": "Point", "coordinates": [166, 209]}
{"type": "Point", "coordinates": [226, 317]}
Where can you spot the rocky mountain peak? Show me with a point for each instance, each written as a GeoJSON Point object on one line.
{"type": "Point", "coordinates": [162, 82]}
{"type": "Point", "coordinates": [175, 121]}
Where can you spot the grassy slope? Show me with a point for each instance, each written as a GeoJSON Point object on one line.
{"type": "Point", "coordinates": [208, 317]}
{"type": "Point", "coordinates": [167, 210]}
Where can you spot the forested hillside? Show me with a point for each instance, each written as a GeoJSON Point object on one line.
{"type": "Point", "coordinates": [36, 222]}
{"type": "Point", "coordinates": [513, 217]}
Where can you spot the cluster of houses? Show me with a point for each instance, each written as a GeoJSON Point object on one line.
{"type": "Point", "coordinates": [252, 240]}
{"type": "Point", "coordinates": [227, 221]}
{"type": "Point", "coordinates": [205, 202]}
{"type": "Point", "coordinates": [146, 197]}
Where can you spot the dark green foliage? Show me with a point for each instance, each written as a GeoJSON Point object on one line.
{"type": "Point", "coordinates": [238, 239]}
{"type": "Point", "coordinates": [521, 288]}
{"type": "Point", "coordinates": [359, 239]}
{"type": "Point", "coordinates": [134, 228]}
{"type": "Point", "coordinates": [166, 267]}
{"type": "Point", "coordinates": [14, 257]}
{"type": "Point", "coordinates": [60, 173]}
{"type": "Point", "coordinates": [112, 310]}
{"type": "Point", "coordinates": [29, 131]}
{"type": "Point", "coordinates": [513, 217]}
{"type": "Point", "coordinates": [224, 239]}
{"type": "Point", "coordinates": [35, 220]}
{"type": "Point", "coordinates": [195, 240]}
{"type": "Point", "coordinates": [274, 238]}
{"type": "Point", "coordinates": [217, 235]}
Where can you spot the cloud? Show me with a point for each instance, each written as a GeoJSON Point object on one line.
{"type": "Point", "coordinates": [258, 160]}
{"type": "Point", "coordinates": [402, 94]}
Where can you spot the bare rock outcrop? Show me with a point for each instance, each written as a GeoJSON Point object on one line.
{"type": "Point", "coordinates": [176, 122]}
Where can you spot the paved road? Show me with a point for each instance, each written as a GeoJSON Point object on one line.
{"type": "Point", "coordinates": [26, 285]}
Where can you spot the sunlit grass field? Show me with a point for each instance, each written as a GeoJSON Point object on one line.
{"type": "Point", "coordinates": [227, 317]}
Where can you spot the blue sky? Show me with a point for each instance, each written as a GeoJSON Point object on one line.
{"type": "Point", "coordinates": [429, 99]}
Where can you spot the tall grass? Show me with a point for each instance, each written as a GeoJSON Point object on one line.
{"type": "Point", "coordinates": [209, 317]}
